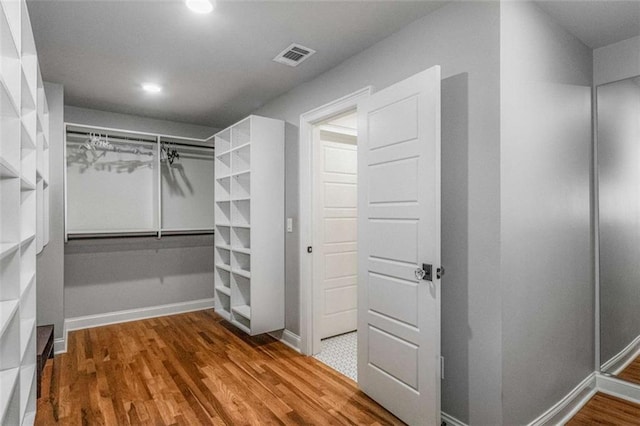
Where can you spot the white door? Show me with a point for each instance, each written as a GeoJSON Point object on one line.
{"type": "Point", "coordinates": [399, 230]}
{"type": "Point", "coordinates": [336, 258]}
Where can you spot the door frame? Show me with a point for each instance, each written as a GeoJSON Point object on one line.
{"type": "Point", "coordinates": [309, 313]}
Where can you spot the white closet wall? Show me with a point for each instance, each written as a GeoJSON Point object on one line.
{"type": "Point", "coordinates": [24, 135]}
{"type": "Point", "coordinates": [249, 217]}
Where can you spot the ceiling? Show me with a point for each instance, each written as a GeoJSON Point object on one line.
{"type": "Point", "coordinates": [596, 22]}
{"type": "Point", "coordinates": [218, 68]}
{"type": "Point", "coordinates": [215, 68]}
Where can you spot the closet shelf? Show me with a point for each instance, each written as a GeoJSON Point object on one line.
{"type": "Point", "coordinates": [27, 328]}
{"type": "Point", "coordinates": [26, 184]}
{"type": "Point", "coordinates": [27, 376]}
{"type": "Point", "coordinates": [27, 238]}
{"type": "Point", "coordinates": [239, 147]}
{"type": "Point", "coordinates": [241, 326]}
{"type": "Point", "coordinates": [244, 172]}
{"type": "Point", "coordinates": [223, 267]}
{"type": "Point", "coordinates": [242, 273]}
{"type": "Point", "coordinates": [241, 250]}
{"type": "Point", "coordinates": [26, 283]}
{"type": "Point", "coordinates": [223, 246]}
{"type": "Point", "coordinates": [227, 224]}
{"type": "Point", "coordinates": [7, 248]}
{"type": "Point", "coordinates": [8, 381]}
{"type": "Point", "coordinates": [243, 310]}
{"type": "Point", "coordinates": [224, 290]}
{"type": "Point", "coordinates": [223, 177]}
{"type": "Point", "coordinates": [8, 170]}
{"type": "Point", "coordinates": [241, 225]}
{"type": "Point", "coordinates": [7, 311]}
{"type": "Point", "coordinates": [10, 96]}
{"type": "Point", "coordinates": [220, 154]}
{"type": "Point", "coordinates": [28, 138]}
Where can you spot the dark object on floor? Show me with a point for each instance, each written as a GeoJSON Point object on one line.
{"type": "Point", "coordinates": [44, 349]}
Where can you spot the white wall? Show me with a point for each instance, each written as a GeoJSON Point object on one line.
{"type": "Point", "coordinates": [616, 61]}
{"type": "Point", "coordinates": [462, 37]}
{"type": "Point", "coordinates": [619, 207]}
{"type": "Point", "coordinates": [132, 122]}
{"type": "Point", "coordinates": [50, 262]}
{"type": "Point", "coordinates": [104, 276]}
{"type": "Point", "coordinates": [546, 263]}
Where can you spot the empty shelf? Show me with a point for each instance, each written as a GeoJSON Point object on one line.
{"type": "Point", "coordinates": [223, 267]}
{"type": "Point", "coordinates": [243, 310]}
{"type": "Point", "coordinates": [26, 184]}
{"type": "Point", "coordinates": [7, 170]}
{"type": "Point", "coordinates": [223, 246]}
{"type": "Point", "coordinates": [241, 250]}
{"type": "Point", "coordinates": [8, 381]}
{"type": "Point", "coordinates": [7, 310]}
{"type": "Point", "coordinates": [7, 248]}
{"type": "Point", "coordinates": [242, 273]}
{"type": "Point", "coordinates": [224, 290]}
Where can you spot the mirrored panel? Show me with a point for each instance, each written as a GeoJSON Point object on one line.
{"type": "Point", "coordinates": [618, 151]}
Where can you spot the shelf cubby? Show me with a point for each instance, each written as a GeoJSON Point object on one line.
{"type": "Point", "coordinates": [241, 186]}
{"type": "Point", "coordinates": [223, 165]}
{"type": "Point", "coordinates": [241, 263]}
{"type": "Point", "coordinates": [241, 239]}
{"type": "Point", "coordinates": [223, 236]}
{"type": "Point", "coordinates": [241, 213]}
{"type": "Point", "coordinates": [222, 189]}
{"type": "Point", "coordinates": [223, 212]}
{"type": "Point", "coordinates": [24, 175]}
{"type": "Point", "coordinates": [241, 159]}
{"type": "Point", "coordinates": [241, 133]}
{"type": "Point", "coordinates": [222, 142]}
{"type": "Point", "coordinates": [223, 257]}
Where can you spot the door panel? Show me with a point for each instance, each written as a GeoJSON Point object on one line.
{"type": "Point", "coordinates": [399, 230]}
{"type": "Point", "coordinates": [396, 357]}
{"type": "Point", "coordinates": [336, 266]}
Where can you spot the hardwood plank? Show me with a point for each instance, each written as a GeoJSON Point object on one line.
{"type": "Point", "coordinates": [605, 409]}
{"type": "Point", "coordinates": [195, 369]}
{"type": "Point", "coordinates": [632, 372]}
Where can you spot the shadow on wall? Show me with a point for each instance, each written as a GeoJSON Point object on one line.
{"type": "Point", "coordinates": [456, 330]}
{"type": "Point", "coordinates": [292, 239]}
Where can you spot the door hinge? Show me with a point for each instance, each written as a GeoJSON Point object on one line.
{"type": "Point", "coordinates": [309, 249]}
{"type": "Point", "coordinates": [441, 368]}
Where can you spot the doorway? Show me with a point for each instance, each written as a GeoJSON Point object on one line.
{"type": "Point", "coordinates": [335, 256]}
{"type": "Point", "coordinates": [310, 122]}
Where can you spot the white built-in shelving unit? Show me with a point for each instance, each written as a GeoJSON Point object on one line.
{"type": "Point", "coordinates": [249, 219]}
{"type": "Point", "coordinates": [24, 136]}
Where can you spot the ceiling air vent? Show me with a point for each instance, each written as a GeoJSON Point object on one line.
{"type": "Point", "coordinates": [294, 55]}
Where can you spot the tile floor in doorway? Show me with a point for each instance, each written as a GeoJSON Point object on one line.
{"type": "Point", "coordinates": [341, 354]}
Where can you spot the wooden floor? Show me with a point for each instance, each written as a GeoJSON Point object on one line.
{"type": "Point", "coordinates": [632, 372]}
{"type": "Point", "coordinates": [194, 369]}
{"type": "Point", "coordinates": [604, 409]}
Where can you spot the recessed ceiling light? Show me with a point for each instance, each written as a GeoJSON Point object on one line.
{"type": "Point", "coordinates": [151, 87]}
{"type": "Point", "coordinates": [200, 6]}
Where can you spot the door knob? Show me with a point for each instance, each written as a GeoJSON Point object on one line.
{"type": "Point", "coordinates": [420, 273]}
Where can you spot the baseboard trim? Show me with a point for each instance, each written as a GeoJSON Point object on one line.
{"type": "Point", "coordinates": [568, 406]}
{"type": "Point", "coordinates": [108, 318]}
{"type": "Point", "coordinates": [621, 360]}
{"type": "Point", "coordinates": [60, 345]}
{"type": "Point", "coordinates": [619, 388]}
{"type": "Point", "coordinates": [288, 338]}
{"type": "Point", "coordinates": [449, 420]}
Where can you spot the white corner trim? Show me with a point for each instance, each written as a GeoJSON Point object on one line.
{"type": "Point", "coordinates": [450, 420]}
{"type": "Point", "coordinates": [619, 388]}
{"type": "Point", "coordinates": [89, 321]}
{"type": "Point", "coordinates": [288, 338]}
{"type": "Point", "coordinates": [568, 406]}
{"type": "Point", "coordinates": [621, 360]}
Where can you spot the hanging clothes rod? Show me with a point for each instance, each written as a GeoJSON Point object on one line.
{"type": "Point", "coordinates": [114, 138]}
